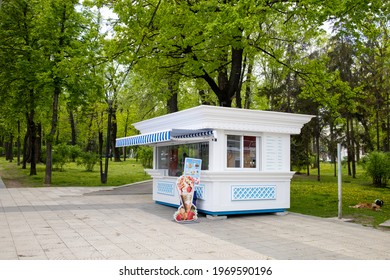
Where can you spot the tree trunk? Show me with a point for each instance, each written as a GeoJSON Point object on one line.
{"type": "Point", "coordinates": [25, 148]}
{"type": "Point", "coordinates": [101, 155]}
{"type": "Point", "coordinates": [91, 144]}
{"type": "Point", "coordinates": [38, 144]}
{"type": "Point", "coordinates": [126, 127]}
{"type": "Point", "coordinates": [108, 143]}
{"type": "Point", "coordinates": [227, 87]}
{"type": "Point", "coordinates": [18, 142]}
{"type": "Point", "coordinates": [114, 131]}
{"type": "Point", "coordinates": [72, 123]}
{"type": "Point", "coordinates": [31, 144]}
{"type": "Point", "coordinates": [353, 158]}
{"type": "Point", "coordinates": [56, 95]}
{"type": "Point", "coordinates": [248, 91]}
{"type": "Point", "coordinates": [348, 148]}
{"type": "Point", "coordinates": [50, 138]}
{"type": "Point", "coordinates": [204, 98]}
{"type": "Point", "coordinates": [318, 157]}
{"type": "Point", "coordinates": [172, 106]}
{"type": "Point", "coordinates": [9, 148]}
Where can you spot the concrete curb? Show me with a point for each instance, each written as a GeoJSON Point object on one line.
{"type": "Point", "coordinates": [2, 185]}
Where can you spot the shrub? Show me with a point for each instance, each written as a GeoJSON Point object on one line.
{"type": "Point", "coordinates": [88, 160]}
{"type": "Point", "coordinates": [74, 152]}
{"type": "Point", "coordinates": [377, 166]}
{"type": "Point", "coordinates": [146, 156]}
{"type": "Point", "coordinates": [61, 155]}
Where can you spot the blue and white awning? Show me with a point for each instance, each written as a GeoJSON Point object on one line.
{"type": "Point", "coordinates": [163, 136]}
{"type": "Point", "coordinates": [188, 133]}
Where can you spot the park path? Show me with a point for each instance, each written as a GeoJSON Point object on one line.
{"type": "Point", "coordinates": [77, 223]}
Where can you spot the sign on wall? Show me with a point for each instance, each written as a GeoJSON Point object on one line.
{"type": "Point", "coordinates": [185, 186]}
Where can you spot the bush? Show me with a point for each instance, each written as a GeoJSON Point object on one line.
{"type": "Point", "coordinates": [88, 160]}
{"type": "Point", "coordinates": [61, 155]}
{"type": "Point", "coordinates": [146, 156]}
{"type": "Point", "coordinates": [377, 166]}
{"type": "Point", "coordinates": [74, 152]}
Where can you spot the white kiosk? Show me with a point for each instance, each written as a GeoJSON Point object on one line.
{"type": "Point", "coordinates": [245, 157]}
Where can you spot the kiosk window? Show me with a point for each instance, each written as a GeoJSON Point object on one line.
{"type": "Point", "coordinates": [233, 151]}
{"type": "Point", "coordinates": [241, 151]}
{"type": "Point", "coordinates": [172, 157]}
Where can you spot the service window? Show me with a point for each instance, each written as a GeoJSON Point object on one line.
{"type": "Point", "coordinates": [241, 151]}
{"type": "Point", "coordinates": [172, 157]}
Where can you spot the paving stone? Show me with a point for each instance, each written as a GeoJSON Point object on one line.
{"type": "Point", "coordinates": [111, 223]}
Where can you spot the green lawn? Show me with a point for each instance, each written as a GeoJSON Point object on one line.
{"type": "Point", "coordinates": [119, 173]}
{"type": "Point", "coordinates": [308, 196]}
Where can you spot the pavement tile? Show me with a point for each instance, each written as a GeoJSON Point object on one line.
{"type": "Point", "coordinates": [59, 254]}
{"type": "Point", "coordinates": [87, 223]}
{"type": "Point", "coordinates": [86, 253]}
{"type": "Point", "coordinates": [8, 255]}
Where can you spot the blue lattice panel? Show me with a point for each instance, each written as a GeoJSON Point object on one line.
{"type": "Point", "coordinates": [166, 188]}
{"type": "Point", "coordinates": [200, 191]}
{"type": "Point", "coordinates": [244, 192]}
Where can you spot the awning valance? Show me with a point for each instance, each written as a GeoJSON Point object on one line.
{"type": "Point", "coordinates": [163, 136]}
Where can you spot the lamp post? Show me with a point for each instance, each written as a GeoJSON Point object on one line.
{"type": "Point", "coordinates": [105, 173]}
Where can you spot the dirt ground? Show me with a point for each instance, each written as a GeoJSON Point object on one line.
{"type": "Point", "coordinates": [10, 183]}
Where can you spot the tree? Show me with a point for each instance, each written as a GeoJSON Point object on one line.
{"type": "Point", "coordinates": [209, 40]}
{"type": "Point", "coordinates": [21, 67]}
{"type": "Point", "coordinates": [59, 30]}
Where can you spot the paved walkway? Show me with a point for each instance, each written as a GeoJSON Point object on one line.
{"type": "Point", "coordinates": [124, 223]}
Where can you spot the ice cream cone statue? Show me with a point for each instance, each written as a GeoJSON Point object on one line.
{"type": "Point", "coordinates": [186, 186]}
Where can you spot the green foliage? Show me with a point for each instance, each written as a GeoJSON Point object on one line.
{"type": "Point", "coordinates": [88, 160]}
{"type": "Point", "coordinates": [145, 154]}
{"type": "Point", "coordinates": [296, 66]}
{"type": "Point", "coordinates": [377, 166]}
{"type": "Point", "coordinates": [61, 155]}
{"type": "Point", "coordinates": [75, 152]}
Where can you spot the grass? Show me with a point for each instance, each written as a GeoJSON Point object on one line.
{"type": "Point", "coordinates": [119, 173]}
{"type": "Point", "coordinates": [308, 196]}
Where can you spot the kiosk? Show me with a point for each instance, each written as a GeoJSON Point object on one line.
{"type": "Point", "coordinates": [245, 157]}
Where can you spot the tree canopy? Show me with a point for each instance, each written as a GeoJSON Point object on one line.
{"type": "Point", "coordinates": [63, 63]}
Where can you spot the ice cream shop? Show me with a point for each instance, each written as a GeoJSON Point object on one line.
{"type": "Point", "coordinates": [244, 157]}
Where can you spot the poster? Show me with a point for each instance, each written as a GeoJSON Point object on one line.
{"type": "Point", "coordinates": [185, 185]}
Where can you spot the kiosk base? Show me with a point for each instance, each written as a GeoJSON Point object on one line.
{"type": "Point", "coordinates": [228, 213]}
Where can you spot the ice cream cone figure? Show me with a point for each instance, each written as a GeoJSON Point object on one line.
{"type": "Point", "coordinates": [186, 186]}
{"type": "Point", "coordinates": [187, 210]}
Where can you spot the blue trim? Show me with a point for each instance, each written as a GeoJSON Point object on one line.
{"type": "Point", "coordinates": [240, 212]}
{"type": "Point", "coordinates": [225, 213]}
{"type": "Point", "coordinates": [167, 204]}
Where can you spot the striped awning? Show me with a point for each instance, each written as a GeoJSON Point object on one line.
{"type": "Point", "coordinates": [163, 136]}
{"type": "Point", "coordinates": [177, 134]}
